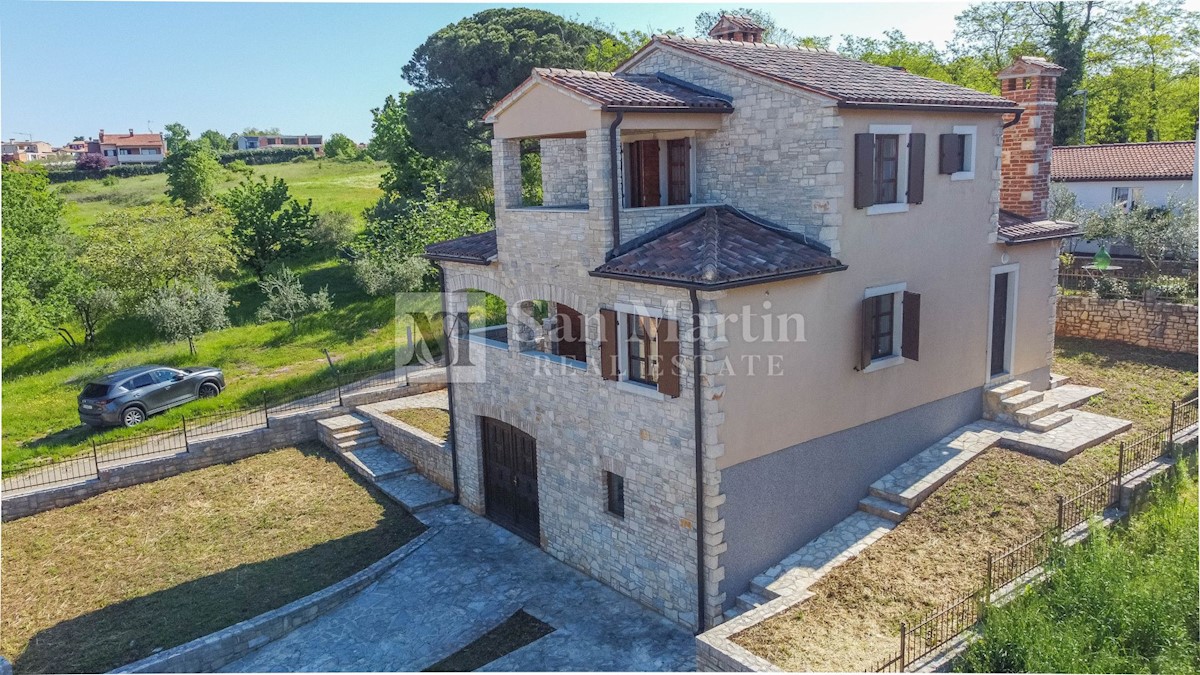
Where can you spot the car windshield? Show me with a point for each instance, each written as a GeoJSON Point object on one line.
{"type": "Point", "coordinates": [95, 390]}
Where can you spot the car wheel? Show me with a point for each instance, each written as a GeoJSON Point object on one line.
{"type": "Point", "coordinates": [133, 417]}
{"type": "Point", "coordinates": [209, 390]}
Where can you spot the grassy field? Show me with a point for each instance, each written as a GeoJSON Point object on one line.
{"type": "Point", "coordinates": [1125, 602]}
{"type": "Point", "coordinates": [998, 500]}
{"type": "Point", "coordinates": [433, 421]}
{"type": "Point", "coordinates": [332, 185]}
{"type": "Point", "coordinates": [99, 584]}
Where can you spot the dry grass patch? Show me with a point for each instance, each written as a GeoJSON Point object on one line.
{"type": "Point", "coordinates": [102, 583]}
{"type": "Point", "coordinates": [938, 553]}
{"type": "Point", "coordinates": [433, 421]}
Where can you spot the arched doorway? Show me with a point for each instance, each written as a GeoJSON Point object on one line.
{"type": "Point", "coordinates": [510, 485]}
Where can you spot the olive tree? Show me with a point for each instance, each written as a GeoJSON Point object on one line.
{"type": "Point", "coordinates": [184, 311]}
{"type": "Point", "coordinates": [287, 301]}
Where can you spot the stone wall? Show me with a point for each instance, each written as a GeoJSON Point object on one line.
{"type": "Point", "coordinates": [564, 171]}
{"type": "Point", "coordinates": [431, 456]}
{"type": "Point", "coordinates": [1157, 325]}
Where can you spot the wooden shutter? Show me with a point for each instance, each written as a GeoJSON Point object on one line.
{"type": "Point", "coordinates": [569, 338]}
{"type": "Point", "coordinates": [667, 334]}
{"type": "Point", "coordinates": [867, 332]}
{"type": "Point", "coordinates": [916, 168]}
{"type": "Point", "coordinates": [950, 153]}
{"type": "Point", "coordinates": [650, 191]}
{"type": "Point", "coordinates": [910, 341]}
{"type": "Point", "coordinates": [608, 345]}
{"type": "Point", "coordinates": [864, 170]}
{"type": "Point", "coordinates": [679, 173]}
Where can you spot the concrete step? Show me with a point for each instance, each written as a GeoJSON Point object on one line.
{"type": "Point", "coordinates": [362, 441]}
{"type": "Point", "coordinates": [1069, 396]}
{"type": "Point", "coordinates": [378, 463]}
{"type": "Point", "coordinates": [911, 482]}
{"type": "Point", "coordinates": [1057, 380]}
{"type": "Point", "coordinates": [883, 508]}
{"type": "Point", "coordinates": [796, 573]}
{"type": "Point", "coordinates": [354, 432]}
{"type": "Point", "coordinates": [1034, 412]}
{"type": "Point", "coordinates": [749, 600]}
{"type": "Point", "coordinates": [1067, 440]}
{"type": "Point", "coordinates": [343, 422]}
{"type": "Point", "coordinates": [414, 492]}
{"type": "Point", "coordinates": [1052, 421]}
{"type": "Point", "coordinates": [1012, 404]}
{"type": "Point", "coordinates": [1003, 391]}
{"type": "Point", "coordinates": [731, 613]}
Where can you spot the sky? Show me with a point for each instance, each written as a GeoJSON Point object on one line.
{"type": "Point", "coordinates": [72, 68]}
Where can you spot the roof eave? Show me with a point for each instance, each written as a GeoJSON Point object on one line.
{"type": "Point", "coordinates": [720, 286]}
{"type": "Point", "coordinates": [932, 107]}
{"type": "Point", "coordinates": [482, 262]}
{"type": "Point", "coordinates": [1040, 237]}
{"type": "Point", "coordinates": [665, 109]}
{"type": "Point", "coordinates": [1103, 179]}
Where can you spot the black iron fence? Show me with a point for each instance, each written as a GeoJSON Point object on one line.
{"type": "Point", "coordinates": [1120, 284]}
{"type": "Point", "coordinates": [951, 620]}
{"type": "Point", "coordinates": [325, 391]}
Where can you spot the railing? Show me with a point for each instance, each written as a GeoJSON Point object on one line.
{"type": "Point", "coordinates": [324, 392]}
{"type": "Point", "coordinates": [1124, 284]}
{"type": "Point", "coordinates": [956, 617]}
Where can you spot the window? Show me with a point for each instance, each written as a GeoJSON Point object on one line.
{"type": "Point", "coordinates": [891, 325]}
{"type": "Point", "coordinates": [642, 355]}
{"type": "Point", "coordinates": [616, 493]}
{"type": "Point", "coordinates": [889, 167]}
{"type": "Point", "coordinates": [641, 350]}
{"type": "Point", "coordinates": [1127, 198]}
{"type": "Point", "coordinates": [140, 381]}
{"type": "Point", "coordinates": [956, 154]}
{"type": "Point", "coordinates": [658, 172]}
{"type": "Point", "coordinates": [163, 376]}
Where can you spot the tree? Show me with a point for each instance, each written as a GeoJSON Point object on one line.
{"type": "Point", "coordinates": [216, 140]}
{"type": "Point", "coordinates": [36, 259]}
{"type": "Point", "coordinates": [409, 171]}
{"type": "Point", "coordinates": [463, 68]}
{"type": "Point", "coordinates": [94, 304]}
{"type": "Point", "coordinates": [1155, 232]}
{"type": "Point", "coordinates": [381, 272]}
{"type": "Point", "coordinates": [175, 135]}
{"type": "Point", "coordinates": [340, 145]}
{"type": "Point", "coordinates": [91, 162]}
{"type": "Point", "coordinates": [920, 58]}
{"type": "Point", "coordinates": [286, 300]}
{"type": "Point", "coordinates": [267, 226]}
{"type": "Point", "coordinates": [611, 52]}
{"type": "Point", "coordinates": [254, 131]}
{"type": "Point", "coordinates": [184, 311]}
{"type": "Point", "coordinates": [772, 31]}
{"type": "Point", "coordinates": [192, 173]}
{"type": "Point", "coordinates": [138, 250]}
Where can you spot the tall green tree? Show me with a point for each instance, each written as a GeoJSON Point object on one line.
{"type": "Point", "coordinates": [216, 140]}
{"type": "Point", "coordinates": [920, 58]}
{"type": "Point", "coordinates": [175, 135]}
{"type": "Point", "coordinates": [184, 311]}
{"type": "Point", "coordinates": [463, 68]}
{"type": "Point", "coordinates": [410, 171]}
{"type": "Point", "coordinates": [340, 145]}
{"type": "Point", "coordinates": [192, 173]}
{"type": "Point", "coordinates": [268, 224]}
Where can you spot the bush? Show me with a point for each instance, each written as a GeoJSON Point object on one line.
{"type": "Point", "coordinates": [240, 167]}
{"type": "Point", "coordinates": [286, 300]}
{"type": "Point", "coordinates": [108, 181]}
{"type": "Point", "coordinates": [91, 162]}
{"type": "Point", "coordinates": [383, 272]}
{"type": "Point", "coordinates": [119, 171]}
{"type": "Point", "coordinates": [1172, 289]}
{"type": "Point", "coordinates": [273, 155]}
{"type": "Point", "coordinates": [1111, 288]}
{"type": "Point", "coordinates": [333, 231]}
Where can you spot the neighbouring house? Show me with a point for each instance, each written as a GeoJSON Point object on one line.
{"type": "Point", "coordinates": [25, 151]}
{"type": "Point", "coordinates": [1123, 175]}
{"type": "Point", "coordinates": [129, 148]}
{"type": "Point", "coordinates": [76, 148]}
{"type": "Point", "coordinates": [260, 142]}
{"type": "Point", "coordinates": [760, 278]}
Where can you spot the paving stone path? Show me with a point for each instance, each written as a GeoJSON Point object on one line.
{"type": "Point", "coordinates": [469, 577]}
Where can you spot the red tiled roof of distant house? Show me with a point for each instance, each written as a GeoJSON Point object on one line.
{"type": "Point", "coordinates": [1173, 160]}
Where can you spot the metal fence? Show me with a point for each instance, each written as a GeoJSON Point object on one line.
{"type": "Point", "coordinates": [1112, 284]}
{"type": "Point", "coordinates": [325, 391]}
{"type": "Point", "coordinates": [954, 618]}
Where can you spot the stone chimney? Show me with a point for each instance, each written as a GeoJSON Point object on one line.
{"type": "Point", "coordinates": [738, 28]}
{"type": "Point", "coordinates": [131, 132]}
{"type": "Point", "coordinates": [1026, 150]}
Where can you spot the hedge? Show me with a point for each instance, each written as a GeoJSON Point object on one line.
{"type": "Point", "coordinates": [272, 155]}
{"type": "Point", "coordinates": [120, 171]}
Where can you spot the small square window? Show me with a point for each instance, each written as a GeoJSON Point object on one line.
{"type": "Point", "coordinates": [616, 493]}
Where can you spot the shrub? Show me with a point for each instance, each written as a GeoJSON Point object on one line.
{"type": "Point", "coordinates": [240, 167]}
{"type": "Point", "coordinates": [1111, 288]}
{"type": "Point", "coordinates": [120, 171]}
{"type": "Point", "coordinates": [286, 300]}
{"type": "Point", "coordinates": [183, 312]}
{"type": "Point", "coordinates": [108, 181]}
{"type": "Point", "coordinates": [333, 231]}
{"type": "Point", "coordinates": [383, 272]}
{"type": "Point", "coordinates": [91, 162]}
{"type": "Point", "coordinates": [273, 155]}
{"type": "Point", "coordinates": [1175, 289]}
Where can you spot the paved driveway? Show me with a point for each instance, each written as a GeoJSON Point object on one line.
{"type": "Point", "coordinates": [467, 578]}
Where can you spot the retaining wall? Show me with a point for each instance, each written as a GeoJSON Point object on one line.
{"type": "Point", "coordinates": [1157, 325]}
{"type": "Point", "coordinates": [431, 455]}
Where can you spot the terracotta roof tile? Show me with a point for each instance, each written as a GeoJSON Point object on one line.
{"type": "Point", "coordinates": [718, 247]}
{"type": "Point", "coordinates": [1124, 161]}
{"type": "Point", "coordinates": [632, 91]}
{"type": "Point", "coordinates": [1017, 229]}
{"type": "Point", "coordinates": [847, 80]}
{"type": "Point", "coordinates": [120, 140]}
{"type": "Point", "coordinates": [477, 249]}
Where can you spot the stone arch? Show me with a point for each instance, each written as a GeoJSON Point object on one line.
{"type": "Point", "coordinates": [463, 281]}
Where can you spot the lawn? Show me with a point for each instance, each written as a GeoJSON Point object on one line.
{"type": "Point", "coordinates": [332, 185]}
{"type": "Point", "coordinates": [1124, 602]}
{"type": "Point", "coordinates": [433, 421]}
{"type": "Point", "coordinates": [998, 500]}
{"type": "Point", "coordinates": [96, 585]}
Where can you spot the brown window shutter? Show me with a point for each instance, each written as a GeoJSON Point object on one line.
{"type": "Point", "coordinates": [608, 344]}
{"type": "Point", "coordinates": [864, 170]}
{"type": "Point", "coordinates": [910, 341]}
{"type": "Point", "coordinates": [667, 334]}
{"type": "Point", "coordinates": [950, 155]}
{"type": "Point", "coordinates": [867, 312]}
{"type": "Point", "coordinates": [633, 175]}
{"type": "Point", "coordinates": [651, 193]}
{"type": "Point", "coordinates": [916, 168]}
{"type": "Point", "coordinates": [679, 174]}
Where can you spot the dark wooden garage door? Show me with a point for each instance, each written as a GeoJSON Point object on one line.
{"type": "Point", "coordinates": [510, 478]}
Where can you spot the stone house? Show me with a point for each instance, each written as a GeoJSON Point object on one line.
{"type": "Point", "coordinates": [760, 278]}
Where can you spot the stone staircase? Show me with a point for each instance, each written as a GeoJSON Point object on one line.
{"type": "Point", "coordinates": [1014, 403]}
{"type": "Point", "coordinates": [355, 441]}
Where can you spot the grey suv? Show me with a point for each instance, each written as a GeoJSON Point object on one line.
{"type": "Point", "coordinates": [127, 397]}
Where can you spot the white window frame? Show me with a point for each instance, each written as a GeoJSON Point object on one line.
{"type": "Point", "coordinates": [1130, 196]}
{"type": "Point", "coordinates": [1010, 338]}
{"type": "Point", "coordinates": [896, 357]}
{"type": "Point", "coordinates": [901, 203]}
{"type": "Point", "coordinates": [624, 311]}
{"type": "Point", "coordinates": [664, 181]}
{"type": "Point", "coordinates": [968, 172]}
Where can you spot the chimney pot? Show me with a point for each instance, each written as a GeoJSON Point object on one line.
{"type": "Point", "coordinates": [131, 132]}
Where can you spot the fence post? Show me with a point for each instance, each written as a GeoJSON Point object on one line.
{"type": "Point", "coordinates": [266, 417]}
{"type": "Point", "coordinates": [989, 575]}
{"type": "Point", "coordinates": [95, 458]}
{"type": "Point", "coordinates": [1121, 464]}
{"type": "Point", "coordinates": [186, 445]}
{"type": "Point", "coordinates": [1171, 433]}
{"type": "Point", "coordinates": [903, 641]}
{"type": "Point", "coordinates": [1060, 515]}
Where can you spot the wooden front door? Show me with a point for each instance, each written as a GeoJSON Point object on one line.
{"type": "Point", "coordinates": [510, 478]}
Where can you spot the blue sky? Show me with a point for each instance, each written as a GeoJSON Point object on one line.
{"type": "Point", "coordinates": [69, 68]}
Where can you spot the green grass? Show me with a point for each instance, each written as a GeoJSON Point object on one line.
{"type": "Point", "coordinates": [96, 585]}
{"type": "Point", "coordinates": [1124, 602]}
{"type": "Point", "coordinates": [433, 421]}
{"type": "Point", "coordinates": [332, 185]}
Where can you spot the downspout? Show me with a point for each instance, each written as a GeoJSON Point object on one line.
{"type": "Point", "coordinates": [614, 180]}
{"type": "Point", "coordinates": [446, 331]}
{"type": "Point", "coordinates": [1019, 112]}
{"type": "Point", "coordinates": [698, 410]}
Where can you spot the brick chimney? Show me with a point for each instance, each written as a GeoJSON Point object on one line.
{"type": "Point", "coordinates": [131, 132]}
{"type": "Point", "coordinates": [1025, 160]}
{"type": "Point", "coordinates": [738, 28]}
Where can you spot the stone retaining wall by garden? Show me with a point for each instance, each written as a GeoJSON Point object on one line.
{"type": "Point", "coordinates": [1157, 325]}
{"type": "Point", "coordinates": [431, 455]}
